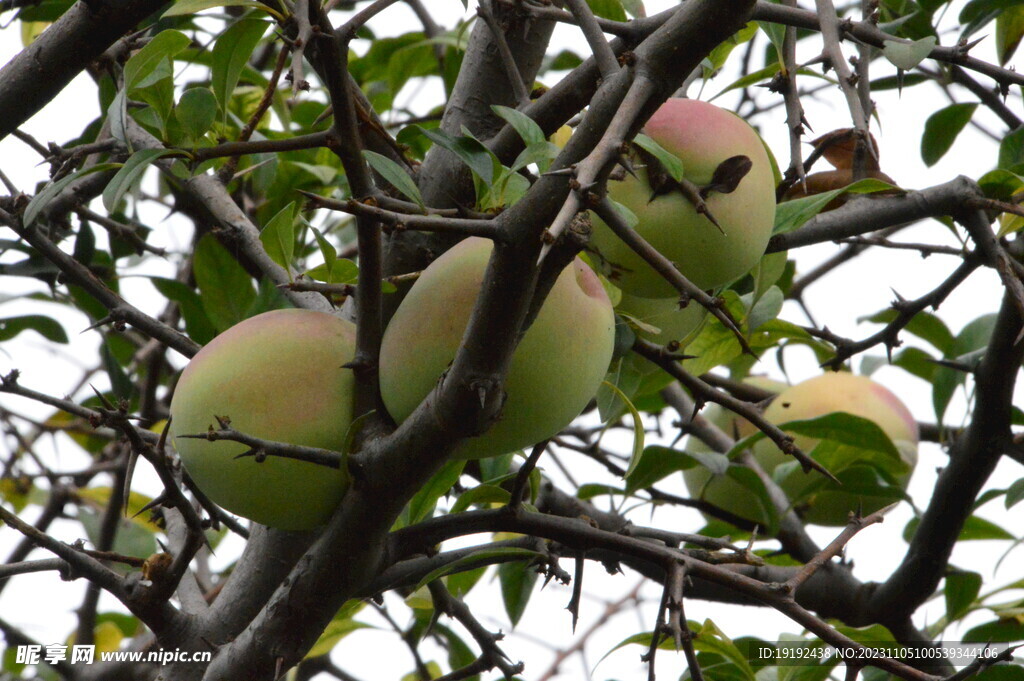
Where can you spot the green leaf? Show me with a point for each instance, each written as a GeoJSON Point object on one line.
{"type": "Point", "coordinates": [461, 583]}
{"type": "Point", "coordinates": [976, 9]}
{"type": "Point", "coordinates": [197, 324]}
{"type": "Point", "coordinates": [766, 309]}
{"type": "Point", "coordinates": [158, 92]}
{"type": "Point", "coordinates": [196, 111]}
{"type": "Point", "coordinates": [673, 164]}
{"type": "Point", "coordinates": [117, 118]}
{"type": "Point", "coordinates": [474, 154]}
{"type": "Point", "coordinates": [422, 505]}
{"type": "Point", "coordinates": [329, 253]}
{"type": "Point", "coordinates": [998, 631]}
{"type": "Point", "coordinates": [710, 639]}
{"type": "Point", "coordinates": [183, 7]}
{"type": "Point", "coordinates": [925, 325]}
{"type": "Point", "coordinates": [339, 627]}
{"type": "Point", "coordinates": [750, 79]}
{"type": "Point", "coordinates": [906, 56]}
{"type": "Point", "coordinates": [231, 53]}
{"type": "Point", "coordinates": [1009, 30]}
{"type": "Point", "coordinates": [224, 286]}
{"type": "Point", "coordinates": [481, 494]}
{"type": "Point", "coordinates": [608, 9]}
{"type": "Point", "coordinates": [961, 590]}
{"type": "Point", "coordinates": [393, 173]}
{"type": "Point", "coordinates": [638, 429]}
{"type": "Point", "coordinates": [85, 244]}
{"type": "Point", "coordinates": [525, 126]}
{"type": "Point", "coordinates": [411, 61]}
{"type": "Point", "coordinates": [459, 654]}
{"type": "Point", "coordinates": [541, 153]}
{"type": "Point", "coordinates": [941, 130]}
{"type": "Point", "coordinates": [635, 8]}
{"type": "Point", "coordinates": [121, 384]}
{"type": "Point", "coordinates": [517, 581]}
{"type": "Point", "coordinates": [623, 376]}
{"type": "Point", "coordinates": [790, 215]}
{"type": "Point", "coordinates": [1000, 184]}
{"type": "Point", "coordinates": [656, 463]}
{"type": "Point", "coordinates": [342, 271]}
{"type": "Point", "coordinates": [914, 361]}
{"type": "Point", "coordinates": [1015, 494]}
{"type": "Point", "coordinates": [164, 46]}
{"type": "Point", "coordinates": [1011, 149]}
{"type": "Point", "coordinates": [130, 173]}
{"type": "Point", "coordinates": [973, 338]}
{"type": "Point", "coordinates": [767, 272]}
{"type": "Point", "coordinates": [131, 539]}
{"type": "Point", "coordinates": [50, 191]}
{"type": "Point", "coordinates": [46, 327]}
{"type": "Point", "coordinates": [278, 237]}
{"type": "Point", "coordinates": [975, 529]}
{"type": "Point", "coordinates": [324, 174]}
{"type": "Point", "coordinates": [839, 427]}
{"type": "Point", "coordinates": [629, 216]}
{"type": "Point", "coordinates": [475, 558]}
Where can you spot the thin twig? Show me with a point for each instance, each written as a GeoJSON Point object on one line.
{"type": "Point", "coordinates": [522, 480]}
{"type": "Point", "coordinates": [401, 221]}
{"type": "Point", "coordinates": [905, 312]}
{"type": "Point", "coordinates": [705, 392]}
{"type": "Point", "coordinates": [260, 448]}
{"type": "Point", "coordinates": [227, 171]}
{"type": "Point", "coordinates": [835, 547]}
{"type": "Point", "coordinates": [120, 310]}
{"type": "Point", "coordinates": [491, 655]}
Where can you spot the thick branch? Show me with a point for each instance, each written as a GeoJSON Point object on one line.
{"type": "Point", "coordinates": [972, 459]}
{"type": "Point", "coordinates": [40, 71]}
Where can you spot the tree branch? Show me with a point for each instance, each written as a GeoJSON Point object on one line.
{"type": "Point", "coordinates": [972, 459]}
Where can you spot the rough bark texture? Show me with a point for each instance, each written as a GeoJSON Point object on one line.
{"type": "Point", "coordinates": [34, 77]}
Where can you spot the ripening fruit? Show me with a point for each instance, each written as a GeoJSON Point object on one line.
{"type": "Point", "coordinates": [277, 376]}
{"type": "Point", "coordinates": [561, 136]}
{"type": "Point", "coordinates": [702, 136]}
{"type": "Point", "coordinates": [813, 398]}
{"type": "Point", "coordinates": [555, 371]}
{"type": "Point", "coordinates": [857, 395]}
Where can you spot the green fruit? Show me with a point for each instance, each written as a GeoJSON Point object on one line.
{"type": "Point", "coordinates": [813, 398]}
{"type": "Point", "coordinates": [839, 392]}
{"type": "Point", "coordinates": [661, 321]}
{"type": "Point", "coordinates": [555, 371]}
{"type": "Point", "coordinates": [664, 315]}
{"type": "Point", "coordinates": [277, 376]}
{"type": "Point", "coordinates": [702, 136]}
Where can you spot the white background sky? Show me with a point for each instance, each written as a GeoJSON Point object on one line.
{"type": "Point", "coordinates": [853, 291]}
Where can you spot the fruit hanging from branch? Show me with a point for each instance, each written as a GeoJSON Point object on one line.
{"type": "Point", "coordinates": [820, 501]}
{"type": "Point", "coordinates": [726, 162]}
{"type": "Point", "coordinates": [278, 376]}
{"type": "Point", "coordinates": [555, 371]}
